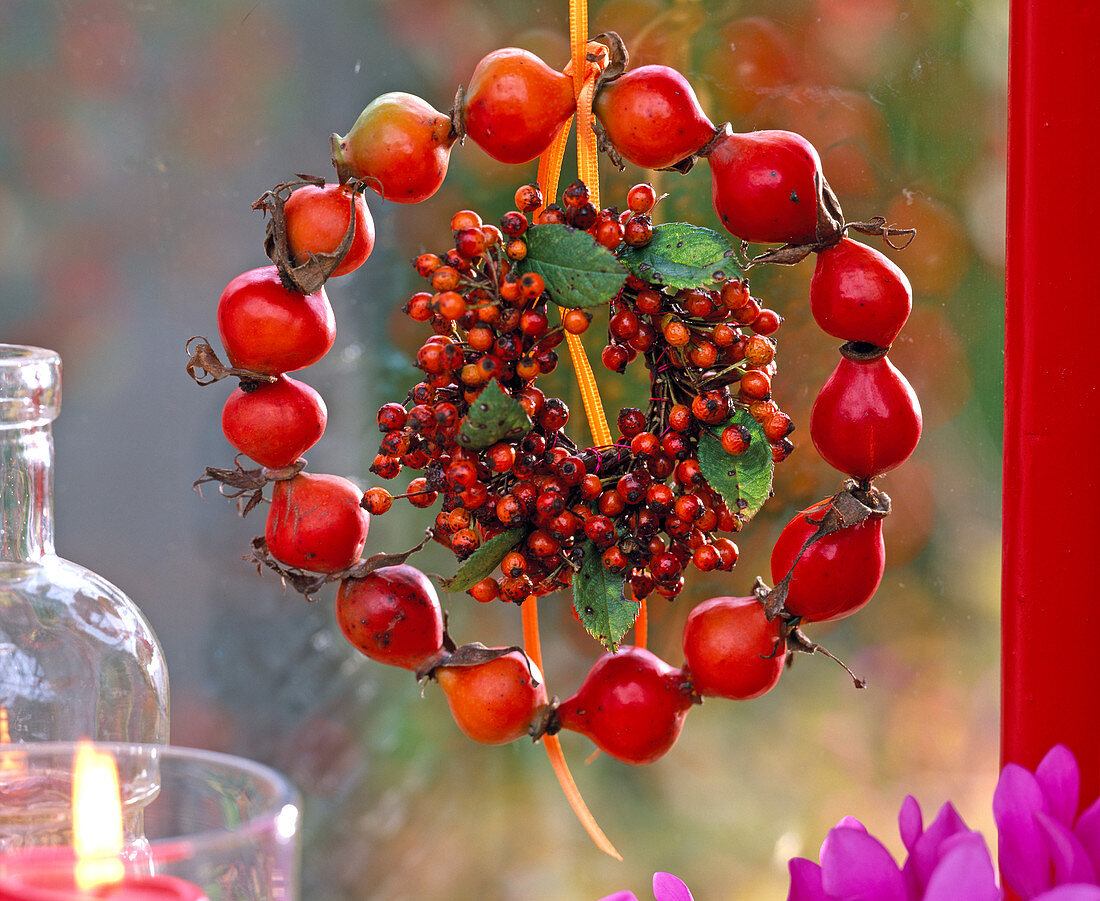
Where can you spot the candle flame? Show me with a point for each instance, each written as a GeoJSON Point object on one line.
{"type": "Point", "coordinates": [97, 818]}
{"type": "Point", "coordinates": [9, 760]}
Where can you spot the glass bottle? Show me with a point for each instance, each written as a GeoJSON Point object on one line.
{"type": "Point", "coordinates": [77, 657]}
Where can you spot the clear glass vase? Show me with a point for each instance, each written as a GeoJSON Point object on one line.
{"type": "Point", "coordinates": [77, 657]}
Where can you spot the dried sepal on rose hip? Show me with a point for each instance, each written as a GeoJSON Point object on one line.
{"type": "Point", "coordinates": [316, 231]}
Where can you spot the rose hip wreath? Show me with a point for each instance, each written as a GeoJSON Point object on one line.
{"type": "Point", "coordinates": [526, 510]}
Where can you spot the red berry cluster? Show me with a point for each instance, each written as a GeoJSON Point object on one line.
{"type": "Point", "coordinates": [697, 345]}
{"type": "Point", "coordinates": [643, 503]}
{"type": "Point", "coordinates": [525, 509]}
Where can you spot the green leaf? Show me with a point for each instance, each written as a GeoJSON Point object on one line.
{"type": "Point", "coordinates": [682, 255]}
{"type": "Point", "coordinates": [744, 480]}
{"type": "Point", "coordinates": [578, 272]}
{"type": "Point", "coordinates": [601, 601]}
{"type": "Point", "coordinates": [493, 416]}
{"type": "Point", "coordinates": [483, 561]}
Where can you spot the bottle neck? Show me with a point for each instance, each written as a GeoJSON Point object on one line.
{"type": "Point", "coordinates": [26, 494]}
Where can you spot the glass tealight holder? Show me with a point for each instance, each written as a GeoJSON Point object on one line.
{"type": "Point", "coordinates": [212, 828]}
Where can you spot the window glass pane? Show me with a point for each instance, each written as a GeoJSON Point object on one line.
{"type": "Point", "coordinates": [137, 136]}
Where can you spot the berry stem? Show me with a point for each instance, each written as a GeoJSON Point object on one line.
{"type": "Point", "coordinates": [205, 367]}
{"type": "Point", "coordinates": [797, 640]}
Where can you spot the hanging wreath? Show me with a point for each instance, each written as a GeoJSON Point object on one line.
{"type": "Point", "coordinates": [527, 510]}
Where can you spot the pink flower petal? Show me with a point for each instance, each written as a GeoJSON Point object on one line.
{"type": "Point", "coordinates": [805, 881]}
{"type": "Point", "coordinates": [845, 822]}
{"type": "Point", "coordinates": [964, 871]}
{"type": "Point", "coordinates": [621, 896]}
{"type": "Point", "coordinates": [1070, 893]}
{"type": "Point", "coordinates": [1026, 864]}
{"type": "Point", "coordinates": [925, 853]}
{"type": "Point", "coordinates": [667, 887]}
{"type": "Point", "coordinates": [1071, 861]}
{"type": "Point", "coordinates": [910, 822]}
{"type": "Point", "coordinates": [857, 867]}
{"type": "Point", "coordinates": [1060, 780]}
{"type": "Point", "coordinates": [1087, 831]}
{"type": "Point", "coordinates": [850, 822]}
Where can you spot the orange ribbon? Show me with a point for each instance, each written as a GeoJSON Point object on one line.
{"type": "Point", "coordinates": [590, 58]}
{"type": "Point", "coordinates": [533, 646]}
{"type": "Point", "coordinates": [588, 62]}
{"type": "Point", "coordinates": [584, 72]}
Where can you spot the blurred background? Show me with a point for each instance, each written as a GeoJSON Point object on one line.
{"type": "Point", "coordinates": [134, 136]}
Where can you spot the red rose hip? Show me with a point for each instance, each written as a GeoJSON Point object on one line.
{"type": "Point", "coordinates": [496, 701]}
{"type": "Point", "coordinates": [315, 523]}
{"type": "Point", "coordinates": [764, 185]}
{"type": "Point", "coordinates": [269, 330]}
{"type": "Point", "coordinates": [631, 704]}
{"type": "Point", "coordinates": [317, 219]}
{"type": "Point", "coordinates": [835, 575]}
{"type": "Point", "coordinates": [400, 145]}
{"type": "Point", "coordinates": [652, 116]}
{"type": "Point", "coordinates": [858, 294]}
{"type": "Point", "coordinates": [515, 104]}
{"type": "Point", "coordinates": [274, 423]}
{"type": "Point", "coordinates": [866, 419]}
{"type": "Point", "coordinates": [731, 649]}
{"type": "Point", "coordinates": [392, 615]}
